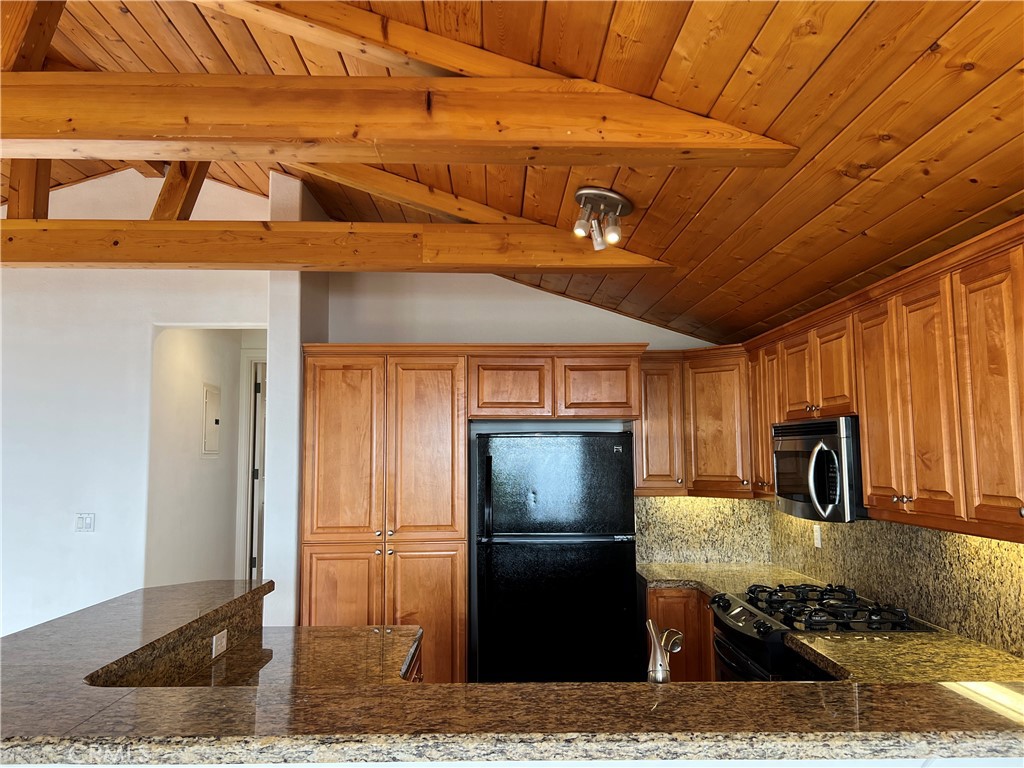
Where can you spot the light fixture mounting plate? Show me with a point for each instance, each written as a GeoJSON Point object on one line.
{"type": "Point", "coordinates": [600, 197]}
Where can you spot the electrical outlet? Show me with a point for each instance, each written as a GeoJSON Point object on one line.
{"type": "Point", "coordinates": [220, 643]}
{"type": "Point", "coordinates": [817, 536]}
{"type": "Point", "coordinates": [85, 522]}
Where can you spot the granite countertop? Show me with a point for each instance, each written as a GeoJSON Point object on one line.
{"type": "Point", "coordinates": [882, 657]}
{"type": "Point", "coordinates": [293, 706]}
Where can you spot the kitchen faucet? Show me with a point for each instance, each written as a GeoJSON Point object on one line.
{"type": "Point", "coordinates": [662, 644]}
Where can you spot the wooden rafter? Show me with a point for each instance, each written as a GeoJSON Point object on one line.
{"type": "Point", "coordinates": [355, 32]}
{"type": "Point", "coordinates": [330, 247]}
{"type": "Point", "coordinates": [26, 29]}
{"type": "Point", "coordinates": [360, 120]}
{"type": "Point", "coordinates": [405, 191]}
{"type": "Point", "coordinates": [29, 196]}
{"type": "Point", "coordinates": [151, 169]}
{"type": "Point", "coordinates": [180, 190]}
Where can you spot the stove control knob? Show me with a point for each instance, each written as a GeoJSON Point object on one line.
{"type": "Point", "coordinates": [722, 601]}
{"type": "Point", "coordinates": [762, 627]}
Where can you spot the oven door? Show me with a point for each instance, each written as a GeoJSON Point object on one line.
{"type": "Point", "coordinates": [732, 665]}
{"type": "Point", "coordinates": [809, 477]}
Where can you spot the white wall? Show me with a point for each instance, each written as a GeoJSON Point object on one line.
{"type": "Point", "coordinates": [428, 308]}
{"type": "Point", "coordinates": [76, 348]}
{"type": "Point", "coordinates": [191, 515]}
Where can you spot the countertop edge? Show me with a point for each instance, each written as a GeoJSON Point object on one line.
{"type": "Point", "coordinates": [459, 747]}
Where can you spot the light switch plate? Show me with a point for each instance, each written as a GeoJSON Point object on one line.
{"type": "Point", "coordinates": [220, 643]}
{"type": "Point", "coordinates": [85, 522]}
{"type": "Point", "coordinates": [817, 536]}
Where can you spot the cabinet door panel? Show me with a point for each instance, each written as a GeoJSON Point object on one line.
{"type": "Point", "coordinates": [343, 459]}
{"type": "Point", "coordinates": [342, 585]}
{"type": "Point", "coordinates": [597, 387]}
{"type": "Point", "coordinates": [426, 586]}
{"type": "Point", "coordinates": [934, 478]}
{"type": "Point", "coordinates": [687, 611]}
{"type": "Point", "coordinates": [659, 454]}
{"type": "Point", "coordinates": [717, 425]}
{"type": "Point", "coordinates": [881, 440]}
{"type": "Point", "coordinates": [502, 386]}
{"type": "Point", "coordinates": [765, 410]}
{"type": "Point", "coordinates": [990, 356]}
{"type": "Point", "coordinates": [835, 390]}
{"type": "Point", "coordinates": [798, 390]}
{"type": "Point", "coordinates": [426, 458]}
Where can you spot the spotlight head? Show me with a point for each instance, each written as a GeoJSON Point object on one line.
{"type": "Point", "coordinates": [582, 225]}
{"type": "Point", "coordinates": [612, 230]}
{"type": "Point", "coordinates": [597, 235]}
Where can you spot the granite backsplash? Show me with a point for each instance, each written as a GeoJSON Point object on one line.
{"type": "Point", "coordinates": [968, 584]}
{"type": "Point", "coordinates": [688, 529]}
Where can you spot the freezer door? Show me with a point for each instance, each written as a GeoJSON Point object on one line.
{"type": "Point", "coordinates": [555, 483]}
{"type": "Point", "coordinates": [557, 611]}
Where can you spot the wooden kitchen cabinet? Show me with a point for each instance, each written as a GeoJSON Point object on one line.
{"type": "Point", "coordinates": [658, 452]}
{"type": "Point", "coordinates": [716, 422]}
{"type": "Point", "coordinates": [343, 448]}
{"type": "Point", "coordinates": [511, 387]}
{"type": "Point", "coordinates": [817, 371]}
{"type": "Point", "coordinates": [426, 448]}
{"type": "Point", "coordinates": [909, 424]}
{"type": "Point", "coordinates": [384, 497]}
{"type": "Point", "coordinates": [989, 319]}
{"type": "Point", "coordinates": [686, 610]}
{"type": "Point", "coordinates": [408, 583]}
{"type": "Point", "coordinates": [765, 410]}
{"type": "Point", "coordinates": [569, 382]}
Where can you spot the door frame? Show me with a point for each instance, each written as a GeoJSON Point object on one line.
{"type": "Point", "coordinates": [243, 496]}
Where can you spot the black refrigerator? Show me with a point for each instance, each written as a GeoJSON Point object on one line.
{"type": "Point", "coordinates": [554, 594]}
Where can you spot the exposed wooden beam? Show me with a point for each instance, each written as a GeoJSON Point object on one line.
{"type": "Point", "coordinates": [403, 48]}
{"type": "Point", "coordinates": [29, 196]}
{"type": "Point", "coordinates": [316, 246]}
{"type": "Point", "coordinates": [151, 169]}
{"type": "Point", "coordinates": [26, 29]}
{"type": "Point", "coordinates": [405, 191]}
{"type": "Point", "coordinates": [181, 188]}
{"type": "Point", "coordinates": [360, 120]}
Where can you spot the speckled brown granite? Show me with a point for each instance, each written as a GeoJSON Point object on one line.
{"type": "Point", "coordinates": [688, 529]}
{"type": "Point", "coordinates": [302, 710]}
{"type": "Point", "coordinates": [968, 584]}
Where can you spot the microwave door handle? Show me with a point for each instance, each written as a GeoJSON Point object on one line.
{"type": "Point", "coordinates": [810, 482]}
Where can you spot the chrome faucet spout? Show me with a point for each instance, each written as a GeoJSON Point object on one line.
{"type": "Point", "coordinates": [662, 644]}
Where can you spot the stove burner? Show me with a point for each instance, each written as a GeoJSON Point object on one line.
{"type": "Point", "coordinates": [811, 607]}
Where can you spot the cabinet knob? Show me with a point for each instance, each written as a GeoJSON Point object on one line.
{"type": "Point", "coordinates": [391, 551]}
{"type": "Point", "coordinates": [906, 499]}
{"type": "Point", "coordinates": [1022, 511]}
{"type": "Point", "coordinates": [391, 533]}
{"type": "Point", "coordinates": [377, 533]}
{"type": "Point", "coordinates": [376, 551]}
{"type": "Point", "coordinates": [745, 482]}
{"type": "Point", "coordinates": [387, 631]}
{"type": "Point", "coordinates": [679, 481]}
{"type": "Point", "coordinates": [816, 408]}
{"type": "Point", "coordinates": [808, 408]}
{"type": "Point", "coordinates": [895, 499]}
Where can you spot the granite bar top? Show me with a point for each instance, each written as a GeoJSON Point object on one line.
{"type": "Point", "coordinates": [295, 706]}
{"type": "Point", "coordinates": [881, 657]}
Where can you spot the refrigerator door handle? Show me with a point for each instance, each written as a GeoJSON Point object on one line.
{"type": "Point", "coordinates": [488, 511]}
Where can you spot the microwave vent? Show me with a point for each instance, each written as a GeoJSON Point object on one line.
{"type": "Point", "coordinates": [815, 428]}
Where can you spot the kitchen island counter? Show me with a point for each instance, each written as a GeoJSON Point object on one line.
{"type": "Point", "coordinates": [879, 657]}
{"type": "Point", "coordinates": [271, 713]}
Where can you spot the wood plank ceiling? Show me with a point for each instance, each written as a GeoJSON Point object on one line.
{"type": "Point", "coordinates": [908, 117]}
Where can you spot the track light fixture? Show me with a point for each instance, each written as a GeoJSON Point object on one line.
{"type": "Point", "coordinates": [599, 214]}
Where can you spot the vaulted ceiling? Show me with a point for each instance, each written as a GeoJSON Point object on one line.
{"type": "Point", "coordinates": [907, 119]}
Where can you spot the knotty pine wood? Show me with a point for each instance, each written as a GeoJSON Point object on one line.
{"type": "Point", "coordinates": [180, 191]}
{"type": "Point", "coordinates": [26, 29]}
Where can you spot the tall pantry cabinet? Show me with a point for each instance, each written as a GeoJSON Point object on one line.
{"type": "Point", "coordinates": [384, 500]}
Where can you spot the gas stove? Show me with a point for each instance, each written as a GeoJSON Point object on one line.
{"type": "Point", "coordinates": [815, 608]}
{"type": "Point", "coordinates": [750, 629]}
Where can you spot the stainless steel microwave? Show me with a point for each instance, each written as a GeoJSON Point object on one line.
{"type": "Point", "coordinates": [817, 469]}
